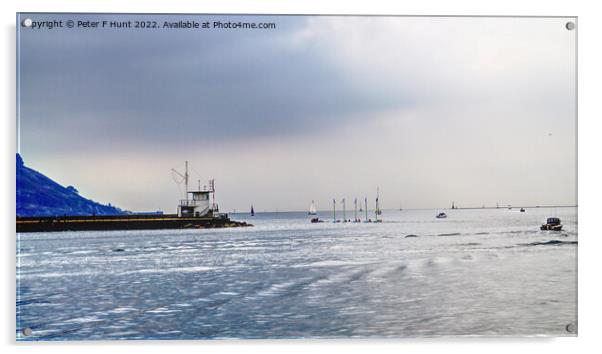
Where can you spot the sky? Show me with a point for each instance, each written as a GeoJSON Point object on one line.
{"type": "Point", "coordinates": [475, 111]}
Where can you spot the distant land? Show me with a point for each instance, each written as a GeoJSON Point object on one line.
{"type": "Point", "coordinates": [38, 195]}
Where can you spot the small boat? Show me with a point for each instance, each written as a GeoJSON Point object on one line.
{"type": "Point", "coordinates": [522, 210]}
{"type": "Point", "coordinates": [312, 209]}
{"type": "Point", "coordinates": [552, 224]}
{"type": "Point", "coordinates": [441, 215]}
{"type": "Point", "coordinates": [316, 220]}
{"type": "Point", "coordinates": [252, 211]}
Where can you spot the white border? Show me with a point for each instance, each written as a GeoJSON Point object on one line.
{"type": "Point", "coordinates": [590, 177]}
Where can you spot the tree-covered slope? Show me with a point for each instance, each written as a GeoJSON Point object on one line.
{"type": "Point", "coordinates": [38, 195]}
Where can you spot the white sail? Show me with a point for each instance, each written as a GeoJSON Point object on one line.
{"type": "Point", "coordinates": [312, 208]}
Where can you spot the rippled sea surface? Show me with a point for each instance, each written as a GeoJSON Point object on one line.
{"type": "Point", "coordinates": [478, 272]}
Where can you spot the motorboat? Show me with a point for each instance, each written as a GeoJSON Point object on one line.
{"type": "Point", "coordinates": [441, 216]}
{"type": "Point", "coordinates": [552, 224]}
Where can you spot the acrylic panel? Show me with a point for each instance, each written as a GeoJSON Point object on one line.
{"type": "Point", "coordinates": [211, 176]}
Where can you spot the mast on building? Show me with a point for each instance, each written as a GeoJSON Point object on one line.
{"type": "Point", "coordinates": [196, 202]}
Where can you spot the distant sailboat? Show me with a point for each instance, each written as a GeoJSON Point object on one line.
{"type": "Point", "coordinates": [334, 211]}
{"type": "Point", "coordinates": [252, 211]}
{"type": "Point", "coordinates": [366, 205]}
{"type": "Point", "coordinates": [355, 218]}
{"type": "Point", "coordinates": [312, 209]}
{"type": "Point", "coordinates": [377, 210]}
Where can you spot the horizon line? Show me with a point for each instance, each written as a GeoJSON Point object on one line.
{"type": "Point", "coordinates": [234, 211]}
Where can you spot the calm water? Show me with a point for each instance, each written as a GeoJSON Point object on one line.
{"type": "Point", "coordinates": [478, 272]}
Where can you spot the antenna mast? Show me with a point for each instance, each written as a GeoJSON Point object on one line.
{"type": "Point", "coordinates": [186, 179]}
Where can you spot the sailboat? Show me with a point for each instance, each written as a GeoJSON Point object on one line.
{"type": "Point", "coordinates": [334, 211]}
{"type": "Point", "coordinates": [252, 211]}
{"type": "Point", "coordinates": [312, 209]}
{"type": "Point", "coordinates": [366, 210]}
{"type": "Point", "coordinates": [377, 210]}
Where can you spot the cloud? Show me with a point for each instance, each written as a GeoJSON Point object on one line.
{"type": "Point", "coordinates": [430, 109]}
{"type": "Point", "coordinates": [140, 88]}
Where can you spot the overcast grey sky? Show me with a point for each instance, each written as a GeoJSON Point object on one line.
{"type": "Point", "coordinates": [432, 110]}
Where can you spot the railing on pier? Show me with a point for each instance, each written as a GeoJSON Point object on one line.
{"type": "Point", "coordinates": [190, 202]}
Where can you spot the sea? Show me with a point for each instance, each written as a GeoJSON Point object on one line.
{"type": "Point", "coordinates": [479, 272]}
